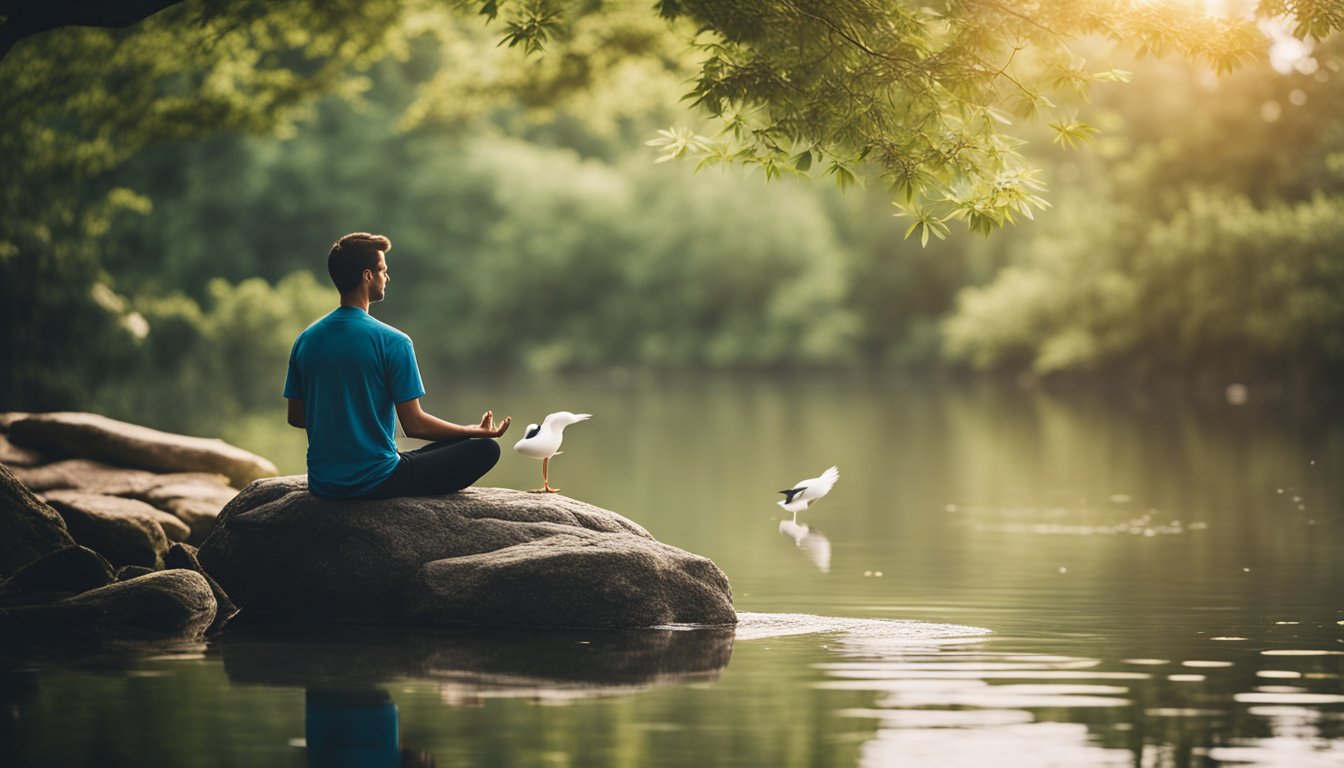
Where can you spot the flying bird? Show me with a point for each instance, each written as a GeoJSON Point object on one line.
{"type": "Point", "coordinates": [804, 492]}
{"type": "Point", "coordinates": [543, 442]}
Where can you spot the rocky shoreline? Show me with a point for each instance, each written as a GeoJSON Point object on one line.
{"type": "Point", "coordinates": [101, 520]}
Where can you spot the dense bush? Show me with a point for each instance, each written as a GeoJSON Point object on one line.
{"type": "Point", "coordinates": [1222, 287]}
{"type": "Point", "coordinates": [221, 358]}
{"type": "Point", "coordinates": [1205, 239]}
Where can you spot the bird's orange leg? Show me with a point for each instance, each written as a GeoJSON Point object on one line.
{"type": "Point", "coordinates": [545, 479]}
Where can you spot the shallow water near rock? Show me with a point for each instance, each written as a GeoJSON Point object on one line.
{"type": "Point", "coordinates": [1012, 579]}
{"type": "Point", "coordinates": [766, 626]}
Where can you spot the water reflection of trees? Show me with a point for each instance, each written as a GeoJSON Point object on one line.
{"type": "Point", "coordinates": [1060, 710]}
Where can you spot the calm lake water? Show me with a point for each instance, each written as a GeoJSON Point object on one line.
{"type": "Point", "coordinates": [999, 578]}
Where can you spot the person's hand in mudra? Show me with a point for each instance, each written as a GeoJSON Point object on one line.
{"type": "Point", "coordinates": [488, 427]}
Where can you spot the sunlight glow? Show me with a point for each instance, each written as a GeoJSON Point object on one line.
{"type": "Point", "coordinates": [1287, 54]}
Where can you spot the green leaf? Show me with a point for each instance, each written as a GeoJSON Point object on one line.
{"type": "Point", "coordinates": [844, 177]}
{"type": "Point", "coordinates": [678, 143]}
{"type": "Point", "coordinates": [707, 161]}
{"type": "Point", "coordinates": [926, 223]}
{"type": "Point", "coordinates": [771, 168]}
{"type": "Point", "coordinates": [669, 9]}
{"type": "Point", "coordinates": [1072, 133]}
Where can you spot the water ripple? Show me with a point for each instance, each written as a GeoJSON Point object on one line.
{"type": "Point", "coordinates": [759, 626]}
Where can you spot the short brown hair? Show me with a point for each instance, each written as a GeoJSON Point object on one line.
{"type": "Point", "coordinates": [353, 254]}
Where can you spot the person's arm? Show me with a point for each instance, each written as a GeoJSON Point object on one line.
{"type": "Point", "coordinates": [424, 426]}
{"type": "Point", "coordinates": [296, 416]}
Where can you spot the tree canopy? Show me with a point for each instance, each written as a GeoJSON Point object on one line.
{"type": "Point", "coordinates": [919, 97]}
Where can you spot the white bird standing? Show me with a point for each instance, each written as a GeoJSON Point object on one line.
{"type": "Point", "coordinates": [804, 492]}
{"type": "Point", "coordinates": [543, 442]}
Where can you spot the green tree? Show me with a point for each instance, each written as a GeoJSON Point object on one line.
{"type": "Point", "coordinates": [80, 102]}
{"type": "Point", "coordinates": [1204, 241]}
{"type": "Point", "coordinates": [920, 97]}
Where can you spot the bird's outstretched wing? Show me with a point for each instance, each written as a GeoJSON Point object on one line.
{"type": "Point", "coordinates": [822, 485]}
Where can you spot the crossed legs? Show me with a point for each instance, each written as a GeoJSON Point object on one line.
{"type": "Point", "coordinates": [440, 467]}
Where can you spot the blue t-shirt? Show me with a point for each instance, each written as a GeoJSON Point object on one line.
{"type": "Point", "coordinates": [350, 371]}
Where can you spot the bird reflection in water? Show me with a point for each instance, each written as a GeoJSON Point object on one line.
{"type": "Point", "coordinates": [812, 542]}
{"type": "Point", "coordinates": [345, 728]}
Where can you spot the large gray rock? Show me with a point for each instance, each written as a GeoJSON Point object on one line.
{"type": "Point", "coordinates": [91, 436]}
{"type": "Point", "coordinates": [125, 531]}
{"type": "Point", "coordinates": [29, 527]}
{"type": "Point", "coordinates": [175, 604]}
{"type": "Point", "coordinates": [479, 557]}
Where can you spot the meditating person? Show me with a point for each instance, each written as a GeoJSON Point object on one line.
{"type": "Point", "coordinates": [351, 377]}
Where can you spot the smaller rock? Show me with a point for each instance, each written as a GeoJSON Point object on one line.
{"type": "Point", "coordinates": [128, 572]}
{"type": "Point", "coordinates": [9, 417]}
{"type": "Point", "coordinates": [84, 475]}
{"type": "Point", "coordinates": [72, 570]}
{"type": "Point", "coordinates": [29, 527]}
{"type": "Point", "coordinates": [89, 435]}
{"type": "Point", "coordinates": [199, 515]}
{"type": "Point", "coordinates": [18, 456]}
{"type": "Point", "coordinates": [96, 503]}
{"type": "Point", "coordinates": [184, 556]}
{"type": "Point", "coordinates": [197, 504]}
{"type": "Point", "coordinates": [219, 493]}
{"type": "Point", "coordinates": [125, 531]}
{"type": "Point", "coordinates": [166, 604]}
{"type": "Point", "coordinates": [96, 477]}
{"type": "Point", "coordinates": [174, 603]}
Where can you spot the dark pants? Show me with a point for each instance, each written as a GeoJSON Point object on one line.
{"type": "Point", "coordinates": [438, 468]}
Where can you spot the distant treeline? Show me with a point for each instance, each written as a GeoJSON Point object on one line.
{"type": "Point", "coordinates": [1202, 235]}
